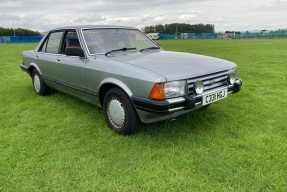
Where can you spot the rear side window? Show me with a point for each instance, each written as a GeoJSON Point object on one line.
{"type": "Point", "coordinates": [54, 42]}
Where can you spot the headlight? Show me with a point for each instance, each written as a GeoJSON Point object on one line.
{"type": "Point", "coordinates": [175, 88]}
{"type": "Point", "coordinates": [198, 87]}
{"type": "Point", "coordinates": [231, 78]}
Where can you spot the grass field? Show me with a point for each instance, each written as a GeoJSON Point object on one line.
{"type": "Point", "coordinates": [59, 143]}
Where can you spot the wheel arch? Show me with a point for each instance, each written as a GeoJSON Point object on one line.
{"type": "Point", "coordinates": [106, 84]}
{"type": "Point", "coordinates": [31, 68]}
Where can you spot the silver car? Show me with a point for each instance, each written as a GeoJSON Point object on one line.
{"type": "Point", "coordinates": [127, 74]}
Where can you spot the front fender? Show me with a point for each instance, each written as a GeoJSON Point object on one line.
{"type": "Point", "coordinates": [29, 58]}
{"type": "Point", "coordinates": [118, 83]}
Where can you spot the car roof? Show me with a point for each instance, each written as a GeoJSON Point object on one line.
{"type": "Point", "coordinates": [79, 27]}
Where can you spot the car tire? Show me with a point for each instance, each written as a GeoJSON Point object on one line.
{"type": "Point", "coordinates": [120, 113]}
{"type": "Point", "coordinates": [39, 85]}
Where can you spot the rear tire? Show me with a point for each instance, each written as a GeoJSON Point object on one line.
{"type": "Point", "coordinates": [39, 85]}
{"type": "Point", "coordinates": [120, 113]}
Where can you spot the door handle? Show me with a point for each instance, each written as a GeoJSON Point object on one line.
{"type": "Point", "coordinates": [58, 59]}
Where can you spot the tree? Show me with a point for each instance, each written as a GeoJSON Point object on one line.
{"type": "Point", "coordinates": [18, 32]}
{"type": "Point", "coordinates": [177, 28]}
{"type": "Point", "coordinates": [159, 29]}
{"type": "Point", "coordinates": [149, 29]}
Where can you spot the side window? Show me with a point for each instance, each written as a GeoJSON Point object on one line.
{"type": "Point", "coordinates": [43, 47]}
{"type": "Point", "coordinates": [54, 42]}
{"type": "Point", "coordinates": [71, 40]}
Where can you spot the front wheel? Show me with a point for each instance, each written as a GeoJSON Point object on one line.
{"type": "Point", "coordinates": [119, 112]}
{"type": "Point", "coordinates": [39, 85]}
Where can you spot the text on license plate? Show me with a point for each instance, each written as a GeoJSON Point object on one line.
{"type": "Point", "coordinates": [215, 96]}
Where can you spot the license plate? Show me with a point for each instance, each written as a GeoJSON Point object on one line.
{"type": "Point", "coordinates": [215, 96]}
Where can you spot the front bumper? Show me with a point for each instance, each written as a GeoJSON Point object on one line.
{"type": "Point", "coordinates": [24, 68]}
{"type": "Point", "coordinates": [151, 110]}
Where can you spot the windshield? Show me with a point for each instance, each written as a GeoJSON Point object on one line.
{"type": "Point", "coordinates": [101, 41]}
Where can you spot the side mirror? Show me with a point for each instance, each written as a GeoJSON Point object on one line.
{"type": "Point", "coordinates": [74, 51]}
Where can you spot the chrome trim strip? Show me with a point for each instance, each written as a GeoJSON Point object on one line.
{"type": "Point", "coordinates": [207, 77]}
{"type": "Point", "coordinates": [72, 86]}
{"type": "Point", "coordinates": [209, 81]}
{"type": "Point", "coordinates": [175, 100]}
{"type": "Point", "coordinates": [207, 87]}
{"type": "Point", "coordinates": [198, 103]}
{"type": "Point", "coordinates": [175, 109]}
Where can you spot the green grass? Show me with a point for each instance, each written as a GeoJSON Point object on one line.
{"type": "Point", "coordinates": [59, 143]}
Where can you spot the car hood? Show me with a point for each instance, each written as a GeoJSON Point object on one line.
{"type": "Point", "coordinates": [175, 65]}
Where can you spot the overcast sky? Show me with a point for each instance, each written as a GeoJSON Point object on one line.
{"type": "Point", "coordinates": [239, 15]}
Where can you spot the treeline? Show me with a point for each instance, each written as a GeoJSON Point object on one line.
{"type": "Point", "coordinates": [280, 30]}
{"type": "Point", "coordinates": [177, 28]}
{"type": "Point", "coordinates": [18, 32]}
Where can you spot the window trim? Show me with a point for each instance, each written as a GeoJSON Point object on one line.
{"type": "Point", "coordinates": [62, 51]}
{"type": "Point", "coordinates": [47, 40]}
{"type": "Point", "coordinates": [42, 44]}
{"type": "Point", "coordinates": [61, 43]}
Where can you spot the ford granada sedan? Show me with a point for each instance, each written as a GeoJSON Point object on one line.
{"type": "Point", "coordinates": [127, 74]}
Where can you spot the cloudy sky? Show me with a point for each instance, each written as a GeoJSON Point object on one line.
{"type": "Point", "coordinates": [241, 15]}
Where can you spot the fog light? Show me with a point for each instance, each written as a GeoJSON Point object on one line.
{"type": "Point", "coordinates": [231, 78]}
{"type": "Point", "coordinates": [198, 87]}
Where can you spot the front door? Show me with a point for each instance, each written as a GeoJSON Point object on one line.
{"type": "Point", "coordinates": [70, 70]}
{"type": "Point", "coordinates": [46, 57]}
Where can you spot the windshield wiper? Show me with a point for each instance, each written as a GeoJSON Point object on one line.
{"type": "Point", "coordinates": [149, 48]}
{"type": "Point", "coordinates": [122, 49]}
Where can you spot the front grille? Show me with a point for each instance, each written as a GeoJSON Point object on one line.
{"type": "Point", "coordinates": [210, 81]}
